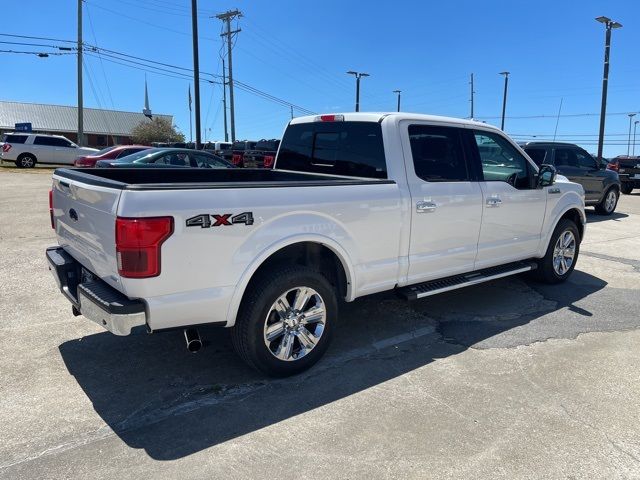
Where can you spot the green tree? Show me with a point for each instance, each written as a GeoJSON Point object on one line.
{"type": "Point", "coordinates": [156, 130]}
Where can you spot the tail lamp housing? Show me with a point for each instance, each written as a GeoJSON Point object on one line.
{"type": "Point", "coordinates": [236, 159]}
{"type": "Point", "coordinates": [53, 224]}
{"type": "Point", "coordinates": [614, 165]}
{"type": "Point", "coordinates": [268, 161]}
{"type": "Point", "coordinates": [138, 245]}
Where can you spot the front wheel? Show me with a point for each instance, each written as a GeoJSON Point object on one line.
{"type": "Point", "coordinates": [286, 320]}
{"type": "Point", "coordinates": [562, 253]}
{"type": "Point", "coordinates": [608, 204]}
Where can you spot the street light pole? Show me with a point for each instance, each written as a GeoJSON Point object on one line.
{"type": "Point", "coordinates": [398, 92]}
{"type": "Point", "coordinates": [358, 76]}
{"type": "Point", "coordinates": [504, 98]}
{"type": "Point", "coordinates": [196, 70]}
{"type": "Point", "coordinates": [631, 115]}
{"type": "Point", "coordinates": [635, 125]}
{"type": "Point", "coordinates": [609, 24]}
{"type": "Point", "coordinates": [80, 99]}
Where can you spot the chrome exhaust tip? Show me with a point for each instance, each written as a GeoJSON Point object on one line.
{"type": "Point", "coordinates": [192, 337]}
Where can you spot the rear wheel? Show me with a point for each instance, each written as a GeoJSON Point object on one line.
{"type": "Point", "coordinates": [609, 201]}
{"type": "Point", "coordinates": [626, 188]}
{"type": "Point", "coordinates": [26, 160]}
{"type": "Point", "coordinates": [286, 320]}
{"type": "Point", "coordinates": [562, 253]}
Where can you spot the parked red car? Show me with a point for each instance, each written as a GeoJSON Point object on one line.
{"type": "Point", "coordinates": [109, 153]}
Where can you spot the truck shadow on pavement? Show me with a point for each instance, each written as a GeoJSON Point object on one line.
{"type": "Point", "coordinates": [156, 396]}
{"type": "Point", "coordinates": [593, 217]}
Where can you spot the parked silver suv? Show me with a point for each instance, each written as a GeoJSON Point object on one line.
{"type": "Point", "coordinates": [27, 149]}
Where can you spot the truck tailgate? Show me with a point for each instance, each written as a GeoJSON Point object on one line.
{"type": "Point", "coordinates": [85, 217]}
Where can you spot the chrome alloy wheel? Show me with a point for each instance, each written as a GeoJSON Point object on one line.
{"type": "Point", "coordinates": [27, 162]}
{"type": "Point", "coordinates": [294, 324]}
{"type": "Point", "coordinates": [610, 201]}
{"type": "Point", "coordinates": [564, 252]}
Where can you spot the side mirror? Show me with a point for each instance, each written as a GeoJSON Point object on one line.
{"type": "Point", "coordinates": [546, 176]}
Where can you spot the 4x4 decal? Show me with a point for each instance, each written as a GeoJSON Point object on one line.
{"type": "Point", "coordinates": [219, 220]}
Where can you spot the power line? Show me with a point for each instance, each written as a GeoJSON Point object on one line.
{"type": "Point", "coordinates": [151, 24]}
{"type": "Point", "coordinates": [114, 58]}
{"type": "Point", "coordinates": [104, 75]}
{"type": "Point", "coordinates": [39, 54]}
{"type": "Point", "coordinates": [36, 38]}
{"type": "Point", "coordinates": [551, 116]}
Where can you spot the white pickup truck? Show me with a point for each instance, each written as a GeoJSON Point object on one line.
{"type": "Point", "coordinates": [358, 203]}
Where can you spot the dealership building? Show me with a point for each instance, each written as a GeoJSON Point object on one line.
{"type": "Point", "coordinates": [102, 128]}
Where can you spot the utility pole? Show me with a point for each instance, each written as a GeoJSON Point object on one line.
{"type": "Point", "coordinates": [227, 17]}
{"type": "Point", "coordinates": [80, 100]}
{"type": "Point", "coordinates": [472, 92]}
{"type": "Point", "coordinates": [631, 115]}
{"type": "Point", "coordinates": [635, 125]}
{"type": "Point", "coordinates": [224, 100]}
{"type": "Point", "coordinates": [291, 111]}
{"type": "Point", "coordinates": [358, 76]}
{"type": "Point", "coordinates": [504, 98]}
{"type": "Point", "coordinates": [398, 92]}
{"type": "Point", "coordinates": [609, 24]}
{"type": "Point", "coordinates": [196, 70]}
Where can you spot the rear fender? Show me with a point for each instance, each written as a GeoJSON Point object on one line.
{"type": "Point", "coordinates": [274, 246]}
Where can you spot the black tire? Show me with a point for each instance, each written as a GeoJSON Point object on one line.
{"type": "Point", "coordinates": [248, 334]}
{"type": "Point", "coordinates": [604, 207]}
{"type": "Point", "coordinates": [626, 188]}
{"type": "Point", "coordinates": [26, 160]}
{"type": "Point", "coordinates": [546, 272]}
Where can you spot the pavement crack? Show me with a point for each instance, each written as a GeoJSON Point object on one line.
{"type": "Point", "coordinates": [625, 261]}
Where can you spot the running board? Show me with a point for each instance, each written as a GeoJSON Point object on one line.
{"type": "Point", "coordinates": [433, 287]}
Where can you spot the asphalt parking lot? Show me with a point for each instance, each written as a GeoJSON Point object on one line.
{"type": "Point", "coordinates": [510, 379]}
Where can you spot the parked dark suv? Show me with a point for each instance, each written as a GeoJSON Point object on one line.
{"type": "Point", "coordinates": [601, 186]}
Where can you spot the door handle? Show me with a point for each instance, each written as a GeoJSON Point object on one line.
{"type": "Point", "coordinates": [425, 207]}
{"type": "Point", "coordinates": [493, 202]}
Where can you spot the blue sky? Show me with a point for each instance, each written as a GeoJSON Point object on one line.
{"type": "Point", "coordinates": [299, 51]}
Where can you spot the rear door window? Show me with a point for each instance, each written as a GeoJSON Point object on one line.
{"type": "Point", "coordinates": [338, 148]}
{"type": "Point", "coordinates": [52, 142]}
{"type": "Point", "coordinates": [438, 154]}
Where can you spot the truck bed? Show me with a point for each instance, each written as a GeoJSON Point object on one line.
{"type": "Point", "coordinates": [200, 178]}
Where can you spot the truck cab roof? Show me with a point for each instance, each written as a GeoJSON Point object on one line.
{"type": "Point", "coordinates": [380, 116]}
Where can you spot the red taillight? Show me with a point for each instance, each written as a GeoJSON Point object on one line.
{"type": "Point", "coordinates": [615, 166]}
{"type": "Point", "coordinates": [268, 161]}
{"type": "Point", "coordinates": [236, 159]}
{"type": "Point", "coordinates": [6, 147]}
{"type": "Point", "coordinates": [53, 225]}
{"type": "Point", "coordinates": [138, 242]}
{"type": "Point", "coordinates": [82, 162]}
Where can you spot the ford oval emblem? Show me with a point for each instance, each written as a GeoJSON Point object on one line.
{"type": "Point", "coordinates": [73, 214]}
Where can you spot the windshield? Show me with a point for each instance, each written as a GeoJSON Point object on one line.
{"type": "Point", "coordinates": [139, 155]}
